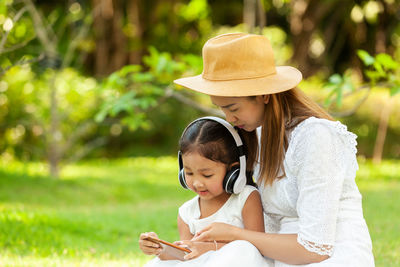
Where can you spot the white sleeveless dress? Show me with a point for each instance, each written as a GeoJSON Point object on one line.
{"type": "Point", "coordinates": [318, 198]}
{"type": "Point", "coordinates": [235, 254]}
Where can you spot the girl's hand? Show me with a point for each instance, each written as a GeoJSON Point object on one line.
{"type": "Point", "coordinates": [148, 247]}
{"type": "Point", "coordinates": [221, 232]}
{"type": "Point", "coordinates": [197, 248]}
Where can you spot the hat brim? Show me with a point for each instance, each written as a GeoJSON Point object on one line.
{"type": "Point", "coordinates": [286, 78]}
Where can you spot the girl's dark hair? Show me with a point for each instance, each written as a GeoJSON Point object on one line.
{"type": "Point", "coordinates": [213, 141]}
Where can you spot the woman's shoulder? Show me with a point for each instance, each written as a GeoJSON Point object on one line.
{"type": "Point", "coordinates": [319, 140]}
{"type": "Point", "coordinates": [323, 130]}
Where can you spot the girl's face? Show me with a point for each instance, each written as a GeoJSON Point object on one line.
{"type": "Point", "coordinates": [244, 112]}
{"type": "Point", "coordinates": [204, 176]}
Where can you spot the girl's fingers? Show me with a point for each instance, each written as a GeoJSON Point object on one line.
{"type": "Point", "coordinates": [147, 243]}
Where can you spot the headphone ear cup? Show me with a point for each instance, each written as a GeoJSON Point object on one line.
{"type": "Point", "coordinates": [230, 179]}
{"type": "Point", "coordinates": [181, 174]}
{"type": "Point", "coordinates": [182, 179]}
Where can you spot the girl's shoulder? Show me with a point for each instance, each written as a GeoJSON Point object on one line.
{"type": "Point", "coordinates": [244, 195]}
{"type": "Point", "coordinates": [190, 209]}
{"type": "Point", "coordinates": [237, 201]}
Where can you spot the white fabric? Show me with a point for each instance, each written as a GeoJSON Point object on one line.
{"type": "Point", "coordinates": [230, 255]}
{"type": "Point", "coordinates": [238, 253]}
{"type": "Point", "coordinates": [230, 212]}
{"type": "Point", "coordinates": [318, 198]}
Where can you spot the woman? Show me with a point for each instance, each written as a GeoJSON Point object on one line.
{"type": "Point", "coordinates": [306, 161]}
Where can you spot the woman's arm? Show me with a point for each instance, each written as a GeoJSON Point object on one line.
{"type": "Point", "coordinates": [282, 247]}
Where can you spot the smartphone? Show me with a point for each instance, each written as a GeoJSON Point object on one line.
{"type": "Point", "coordinates": [171, 249]}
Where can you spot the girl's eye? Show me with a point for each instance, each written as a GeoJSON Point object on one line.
{"type": "Point", "coordinates": [234, 110]}
{"type": "Point", "coordinates": [207, 176]}
{"type": "Point", "coordinates": [188, 173]}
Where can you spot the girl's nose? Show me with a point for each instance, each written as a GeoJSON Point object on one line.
{"type": "Point", "coordinates": [197, 183]}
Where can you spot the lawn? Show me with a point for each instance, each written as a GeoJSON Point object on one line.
{"type": "Point", "coordinates": [94, 214]}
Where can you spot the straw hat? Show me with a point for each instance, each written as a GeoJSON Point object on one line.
{"type": "Point", "coordinates": [239, 64]}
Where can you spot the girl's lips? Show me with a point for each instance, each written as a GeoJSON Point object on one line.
{"type": "Point", "coordinates": [202, 193]}
{"type": "Point", "coordinates": [240, 126]}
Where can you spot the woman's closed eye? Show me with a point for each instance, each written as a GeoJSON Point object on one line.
{"type": "Point", "coordinates": [208, 175]}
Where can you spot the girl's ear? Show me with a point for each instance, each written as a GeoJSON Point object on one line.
{"type": "Point", "coordinates": [234, 164]}
{"type": "Point", "coordinates": [266, 99]}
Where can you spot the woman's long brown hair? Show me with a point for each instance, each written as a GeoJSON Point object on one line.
{"type": "Point", "coordinates": [283, 112]}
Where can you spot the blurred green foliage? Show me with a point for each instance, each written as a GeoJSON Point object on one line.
{"type": "Point", "coordinates": [380, 69]}
{"type": "Point", "coordinates": [24, 109]}
{"type": "Point", "coordinates": [133, 90]}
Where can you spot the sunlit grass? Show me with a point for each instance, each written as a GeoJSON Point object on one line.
{"type": "Point", "coordinates": [94, 214]}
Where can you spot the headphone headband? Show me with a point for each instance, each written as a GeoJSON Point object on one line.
{"type": "Point", "coordinates": [240, 183]}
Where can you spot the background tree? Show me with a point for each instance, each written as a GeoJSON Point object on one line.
{"type": "Point", "coordinates": [50, 50]}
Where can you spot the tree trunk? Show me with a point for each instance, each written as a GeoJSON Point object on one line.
{"type": "Point", "coordinates": [135, 49]}
{"type": "Point", "coordinates": [101, 25]}
{"type": "Point", "coordinates": [53, 136]}
{"type": "Point", "coordinates": [250, 14]}
{"type": "Point", "coordinates": [119, 50]}
{"type": "Point", "coordinates": [261, 16]}
{"type": "Point", "coordinates": [304, 20]}
{"type": "Point", "coordinates": [382, 129]}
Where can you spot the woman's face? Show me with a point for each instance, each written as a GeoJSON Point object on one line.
{"type": "Point", "coordinates": [244, 112]}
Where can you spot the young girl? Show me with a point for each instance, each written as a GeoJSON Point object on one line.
{"type": "Point", "coordinates": [307, 161]}
{"type": "Point", "coordinates": [213, 165]}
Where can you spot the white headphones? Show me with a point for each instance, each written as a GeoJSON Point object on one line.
{"type": "Point", "coordinates": [235, 179]}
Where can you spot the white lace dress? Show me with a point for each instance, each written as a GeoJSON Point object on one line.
{"type": "Point", "coordinates": [318, 198]}
{"type": "Point", "coordinates": [230, 255]}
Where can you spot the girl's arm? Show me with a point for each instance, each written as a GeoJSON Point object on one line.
{"type": "Point", "coordinates": [184, 231]}
{"type": "Point", "coordinates": [253, 219]}
{"type": "Point", "coordinates": [252, 213]}
{"type": "Point", "coordinates": [282, 247]}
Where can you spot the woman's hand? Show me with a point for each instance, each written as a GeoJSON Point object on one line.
{"type": "Point", "coordinates": [148, 247]}
{"type": "Point", "coordinates": [221, 232]}
{"type": "Point", "coordinates": [197, 248]}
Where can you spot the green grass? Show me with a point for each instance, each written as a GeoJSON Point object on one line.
{"type": "Point", "coordinates": [94, 214]}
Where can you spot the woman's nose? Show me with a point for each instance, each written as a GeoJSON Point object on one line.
{"type": "Point", "coordinates": [229, 117]}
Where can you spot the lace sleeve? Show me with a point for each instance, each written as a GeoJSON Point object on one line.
{"type": "Point", "coordinates": [320, 171]}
